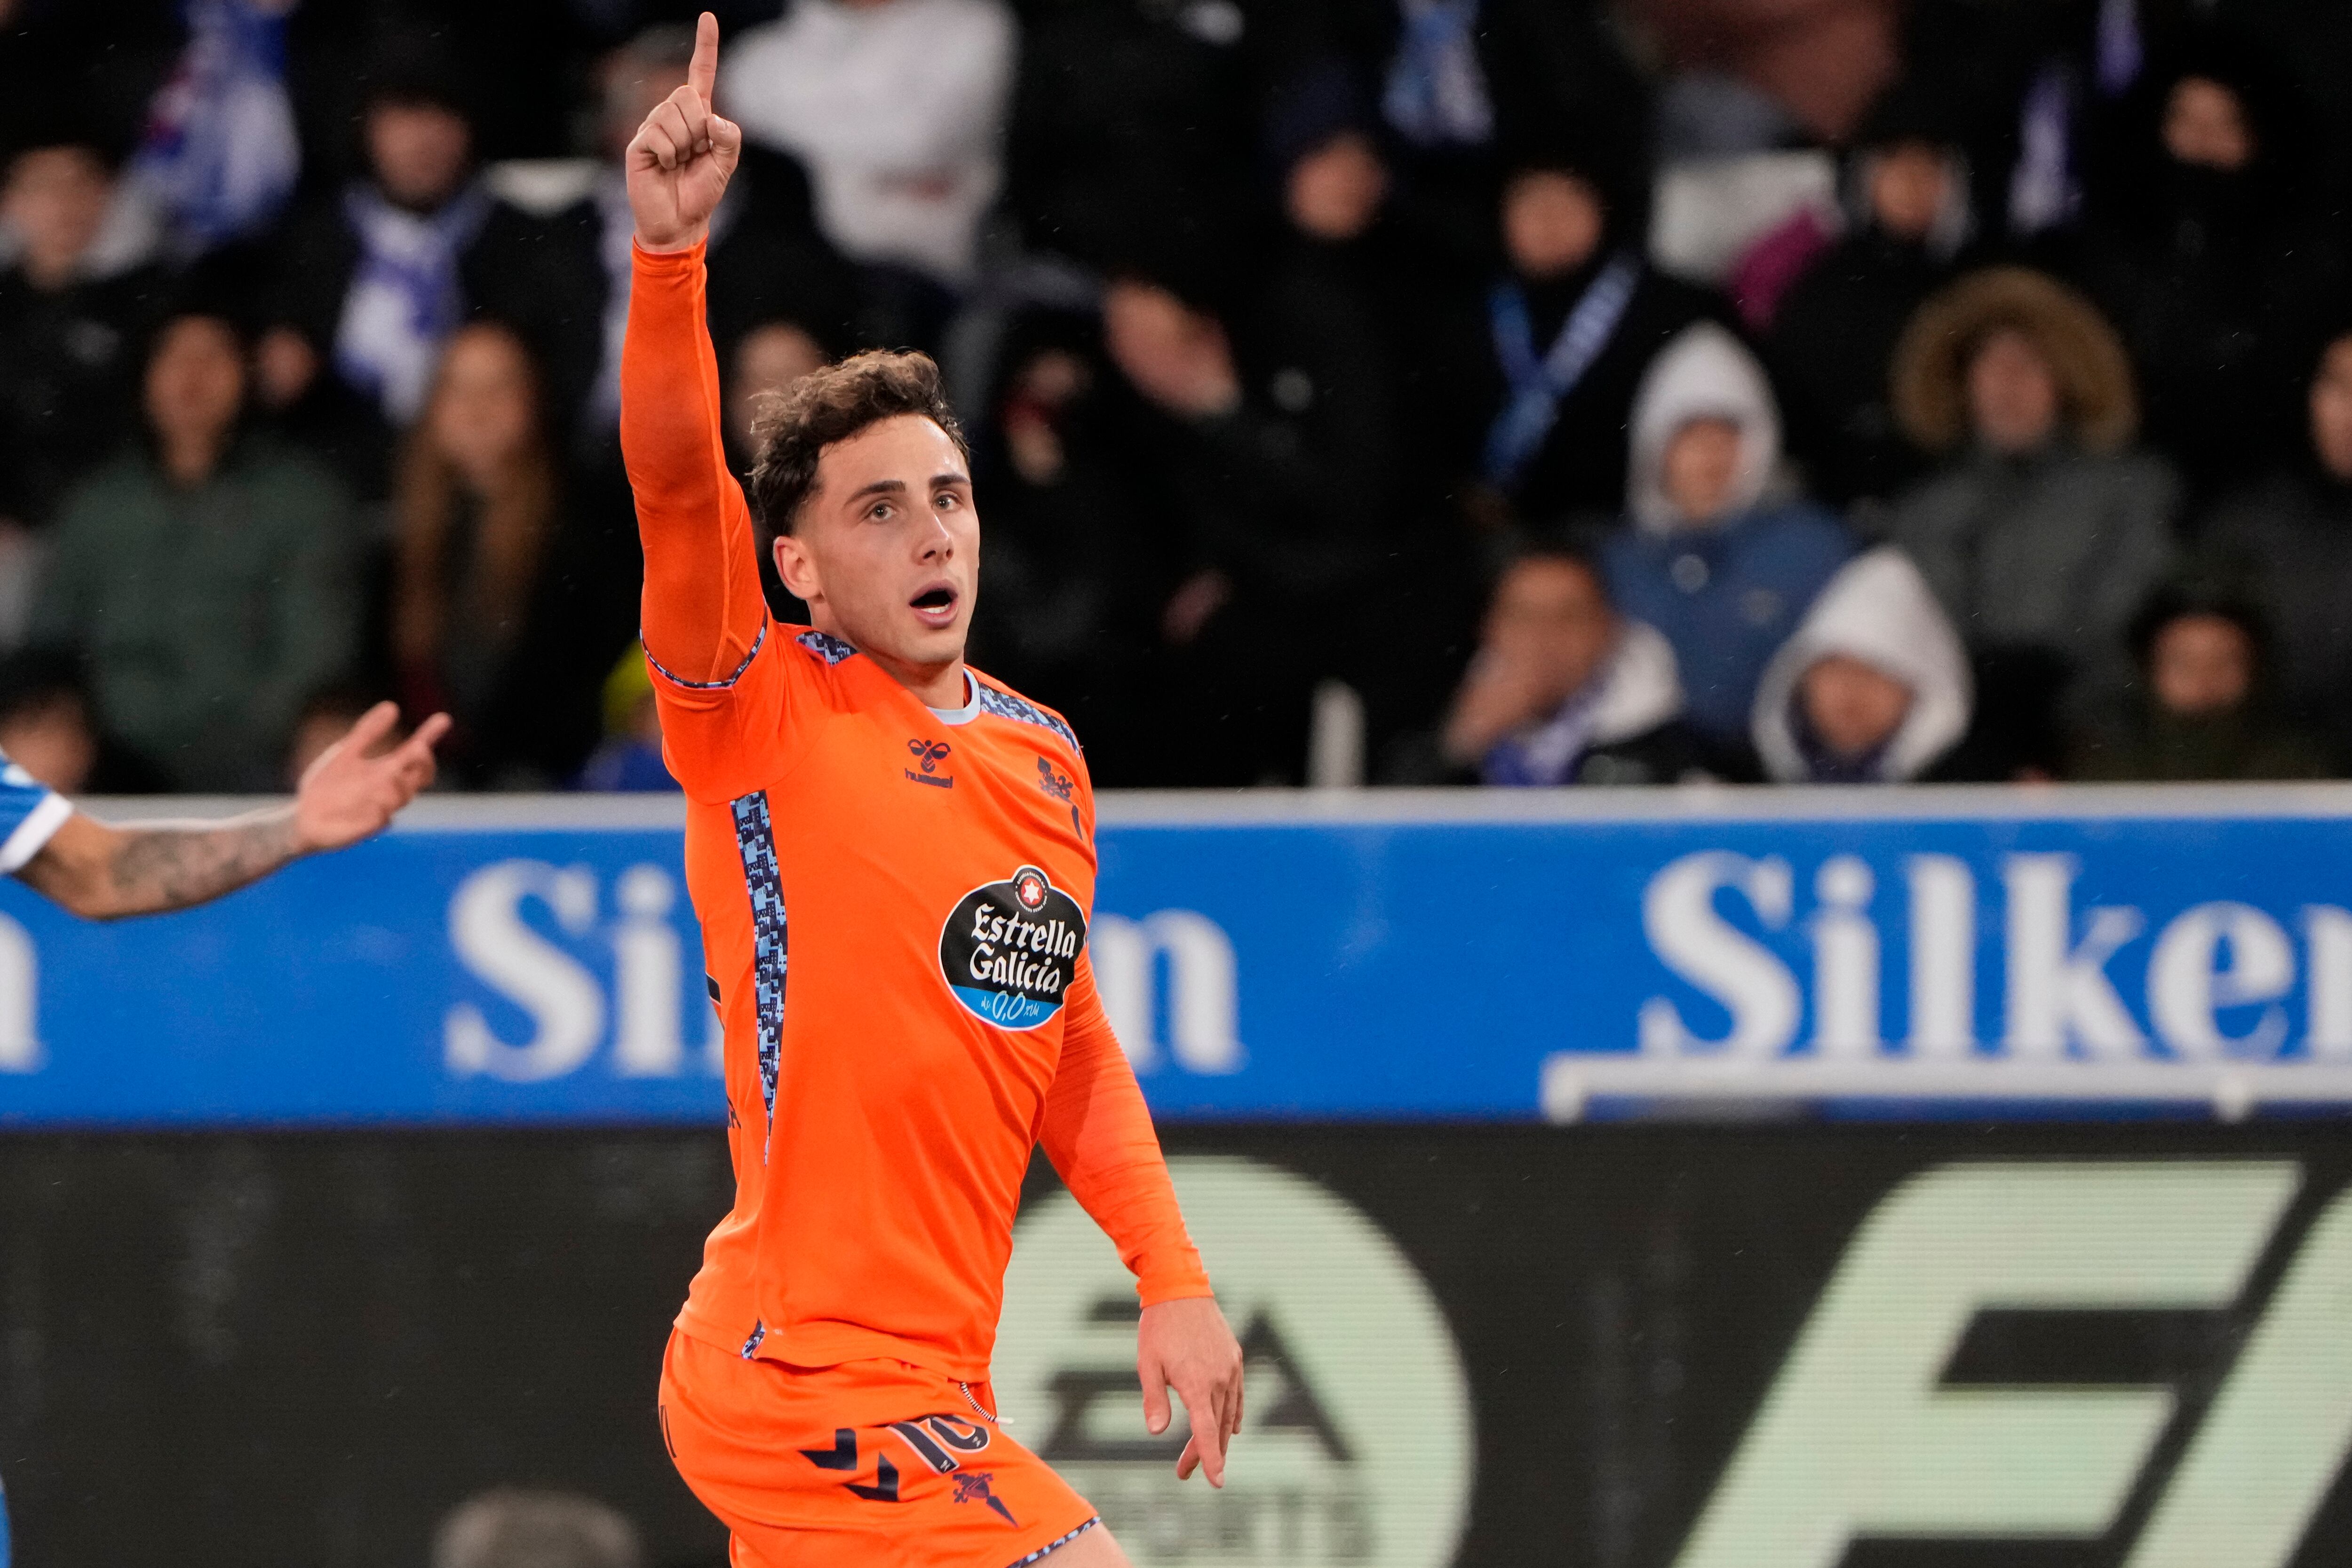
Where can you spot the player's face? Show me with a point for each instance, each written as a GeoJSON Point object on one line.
{"type": "Point", "coordinates": [887, 552]}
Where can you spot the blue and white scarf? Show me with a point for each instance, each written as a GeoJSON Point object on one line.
{"type": "Point", "coordinates": [1538, 386]}
{"type": "Point", "coordinates": [405, 299]}
{"type": "Point", "coordinates": [1436, 89]}
{"type": "Point", "coordinates": [1544, 755]}
{"type": "Point", "coordinates": [221, 151]}
{"type": "Point", "coordinates": [2043, 193]}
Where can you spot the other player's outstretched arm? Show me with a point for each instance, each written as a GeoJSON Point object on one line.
{"type": "Point", "coordinates": [105, 873]}
{"type": "Point", "coordinates": [703, 612]}
{"type": "Point", "coordinates": [1098, 1134]}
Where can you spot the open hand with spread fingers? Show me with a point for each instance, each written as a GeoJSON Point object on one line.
{"type": "Point", "coordinates": [683, 155]}
{"type": "Point", "coordinates": [358, 785]}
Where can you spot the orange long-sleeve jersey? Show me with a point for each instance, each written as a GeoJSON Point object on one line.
{"type": "Point", "coordinates": [894, 906]}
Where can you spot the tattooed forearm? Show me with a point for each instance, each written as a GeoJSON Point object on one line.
{"type": "Point", "coordinates": [172, 867]}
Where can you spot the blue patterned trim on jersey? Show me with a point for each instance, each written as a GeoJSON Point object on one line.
{"type": "Point", "coordinates": [751, 1345]}
{"type": "Point", "coordinates": [1004, 704]}
{"type": "Point", "coordinates": [757, 638]}
{"type": "Point", "coordinates": [831, 649]}
{"type": "Point", "coordinates": [755, 840]}
{"type": "Point", "coordinates": [1039, 1554]}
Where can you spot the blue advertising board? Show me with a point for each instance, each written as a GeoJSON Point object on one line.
{"type": "Point", "coordinates": [1396, 956]}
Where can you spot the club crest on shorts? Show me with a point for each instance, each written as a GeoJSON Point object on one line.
{"type": "Point", "coordinates": [1009, 949]}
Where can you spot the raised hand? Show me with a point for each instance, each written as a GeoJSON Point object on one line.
{"type": "Point", "coordinates": [350, 792]}
{"type": "Point", "coordinates": [683, 155]}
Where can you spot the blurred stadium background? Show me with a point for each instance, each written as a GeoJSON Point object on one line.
{"type": "Point", "coordinates": [1719, 633]}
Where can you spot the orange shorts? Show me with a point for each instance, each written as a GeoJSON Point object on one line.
{"type": "Point", "coordinates": [874, 1464]}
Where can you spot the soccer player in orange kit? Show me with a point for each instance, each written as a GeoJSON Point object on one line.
{"type": "Point", "coordinates": [919, 843]}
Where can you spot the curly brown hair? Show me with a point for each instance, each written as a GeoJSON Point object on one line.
{"type": "Point", "coordinates": [790, 429]}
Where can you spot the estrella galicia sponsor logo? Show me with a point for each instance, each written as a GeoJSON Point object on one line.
{"type": "Point", "coordinates": [928, 755]}
{"type": "Point", "coordinates": [1009, 948]}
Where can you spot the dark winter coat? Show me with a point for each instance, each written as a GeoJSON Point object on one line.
{"type": "Point", "coordinates": [69, 367]}
{"type": "Point", "coordinates": [2053, 552]}
{"type": "Point", "coordinates": [1833, 345]}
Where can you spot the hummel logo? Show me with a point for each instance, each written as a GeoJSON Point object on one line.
{"type": "Point", "coordinates": [929, 754]}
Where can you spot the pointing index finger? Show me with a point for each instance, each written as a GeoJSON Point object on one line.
{"type": "Point", "coordinates": [702, 71]}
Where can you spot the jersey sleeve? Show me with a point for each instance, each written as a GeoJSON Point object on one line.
{"type": "Point", "coordinates": [713, 655]}
{"type": "Point", "coordinates": [30, 815]}
{"type": "Point", "coordinates": [1098, 1134]}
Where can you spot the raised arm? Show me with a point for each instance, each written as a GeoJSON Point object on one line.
{"type": "Point", "coordinates": [703, 613]}
{"type": "Point", "coordinates": [105, 873]}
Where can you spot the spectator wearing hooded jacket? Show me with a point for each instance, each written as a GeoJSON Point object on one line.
{"type": "Point", "coordinates": [2045, 530]}
{"type": "Point", "coordinates": [2286, 543]}
{"type": "Point", "coordinates": [1562, 690]}
{"type": "Point", "coordinates": [1873, 687]}
{"type": "Point", "coordinates": [1711, 557]}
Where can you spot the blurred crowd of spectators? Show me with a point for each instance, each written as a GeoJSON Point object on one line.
{"type": "Point", "coordinates": [1526, 391]}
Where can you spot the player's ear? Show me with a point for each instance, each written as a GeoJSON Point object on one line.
{"type": "Point", "coordinates": [795, 567]}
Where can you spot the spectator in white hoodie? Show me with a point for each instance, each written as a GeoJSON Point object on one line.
{"type": "Point", "coordinates": [1717, 555]}
{"type": "Point", "coordinates": [1873, 688]}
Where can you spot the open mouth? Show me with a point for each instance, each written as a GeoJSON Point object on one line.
{"type": "Point", "coordinates": [936, 605]}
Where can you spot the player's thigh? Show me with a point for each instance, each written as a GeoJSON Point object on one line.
{"type": "Point", "coordinates": [1093, 1548]}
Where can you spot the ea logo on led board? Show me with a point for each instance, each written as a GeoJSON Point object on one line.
{"type": "Point", "coordinates": [1358, 1439]}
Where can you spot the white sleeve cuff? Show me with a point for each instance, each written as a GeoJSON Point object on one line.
{"type": "Point", "coordinates": [32, 834]}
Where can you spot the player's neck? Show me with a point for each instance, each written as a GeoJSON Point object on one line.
{"type": "Point", "coordinates": [939, 685]}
